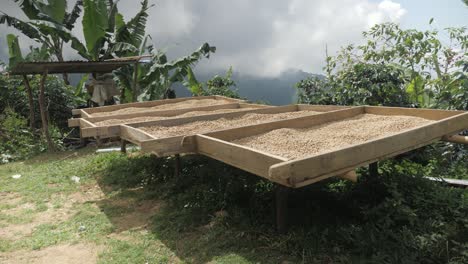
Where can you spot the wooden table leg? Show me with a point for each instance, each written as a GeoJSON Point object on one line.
{"type": "Point", "coordinates": [123, 146]}
{"type": "Point", "coordinates": [281, 206]}
{"type": "Point", "coordinates": [374, 169]}
{"type": "Point", "coordinates": [177, 165]}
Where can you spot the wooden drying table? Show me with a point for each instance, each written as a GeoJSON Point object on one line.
{"type": "Point", "coordinates": [165, 146]}
{"type": "Point", "coordinates": [287, 173]}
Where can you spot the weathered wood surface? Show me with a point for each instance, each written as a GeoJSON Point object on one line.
{"type": "Point", "coordinates": [114, 130]}
{"type": "Point", "coordinates": [133, 135]}
{"type": "Point", "coordinates": [456, 139]}
{"type": "Point", "coordinates": [93, 110]}
{"type": "Point", "coordinates": [238, 156]}
{"type": "Point", "coordinates": [172, 112]}
{"type": "Point", "coordinates": [183, 144]}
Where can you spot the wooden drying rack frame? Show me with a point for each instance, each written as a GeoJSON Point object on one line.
{"type": "Point", "coordinates": [288, 174]}
{"type": "Point", "coordinates": [173, 145]}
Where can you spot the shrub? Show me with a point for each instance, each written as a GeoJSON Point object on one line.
{"type": "Point", "coordinates": [16, 140]}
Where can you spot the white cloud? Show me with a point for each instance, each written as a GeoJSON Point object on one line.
{"type": "Point", "coordinates": [263, 37]}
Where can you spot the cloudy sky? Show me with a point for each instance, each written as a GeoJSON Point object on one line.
{"type": "Point", "coordinates": [268, 37]}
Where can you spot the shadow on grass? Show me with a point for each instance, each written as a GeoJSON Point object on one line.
{"type": "Point", "coordinates": [214, 212]}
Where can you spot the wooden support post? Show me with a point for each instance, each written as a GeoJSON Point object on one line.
{"type": "Point", "coordinates": [42, 107]}
{"type": "Point", "coordinates": [98, 142]}
{"type": "Point", "coordinates": [281, 208]}
{"type": "Point", "coordinates": [32, 119]}
{"type": "Point", "coordinates": [456, 139]}
{"type": "Point", "coordinates": [374, 169]}
{"type": "Point", "coordinates": [136, 91]}
{"type": "Point", "coordinates": [177, 165]}
{"type": "Point", "coordinates": [123, 146]}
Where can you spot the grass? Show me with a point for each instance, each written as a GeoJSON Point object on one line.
{"type": "Point", "coordinates": [134, 210]}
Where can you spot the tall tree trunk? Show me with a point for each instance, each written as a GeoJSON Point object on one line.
{"type": "Point", "coordinates": [44, 120]}
{"type": "Point", "coordinates": [32, 119]}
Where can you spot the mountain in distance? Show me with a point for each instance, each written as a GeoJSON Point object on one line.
{"type": "Point", "coordinates": [278, 90]}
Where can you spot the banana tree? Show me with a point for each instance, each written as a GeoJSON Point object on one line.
{"type": "Point", "coordinates": [48, 23]}
{"type": "Point", "coordinates": [163, 73]}
{"type": "Point", "coordinates": [106, 34]}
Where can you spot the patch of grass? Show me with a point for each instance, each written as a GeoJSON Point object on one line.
{"type": "Point", "coordinates": [5, 245]}
{"type": "Point", "coordinates": [139, 248]}
{"type": "Point", "coordinates": [87, 224]}
{"type": "Point", "coordinates": [216, 213]}
{"type": "Point", "coordinates": [46, 175]}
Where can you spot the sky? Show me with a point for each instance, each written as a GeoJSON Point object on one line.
{"type": "Point", "coordinates": [268, 37]}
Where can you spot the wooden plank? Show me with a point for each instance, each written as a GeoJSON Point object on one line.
{"type": "Point", "coordinates": [334, 162]}
{"type": "Point", "coordinates": [453, 182]}
{"type": "Point", "coordinates": [74, 122]}
{"type": "Point", "coordinates": [300, 122]}
{"type": "Point", "coordinates": [85, 123]}
{"type": "Point", "coordinates": [133, 135]}
{"type": "Point", "coordinates": [166, 146]}
{"type": "Point", "coordinates": [431, 114]}
{"type": "Point", "coordinates": [250, 160]}
{"type": "Point", "coordinates": [113, 130]}
{"type": "Point", "coordinates": [456, 139]}
{"type": "Point", "coordinates": [322, 108]}
{"type": "Point", "coordinates": [309, 181]}
{"type": "Point", "coordinates": [93, 110]}
{"type": "Point", "coordinates": [109, 108]}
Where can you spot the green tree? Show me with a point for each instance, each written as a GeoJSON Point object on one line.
{"type": "Point", "coordinates": [218, 85]}
{"type": "Point", "coordinates": [431, 73]}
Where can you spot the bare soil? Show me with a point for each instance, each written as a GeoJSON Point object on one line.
{"type": "Point", "coordinates": [59, 254]}
{"type": "Point", "coordinates": [169, 106]}
{"type": "Point", "coordinates": [155, 118]}
{"type": "Point", "coordinates": [293, 143]}
{"type": "Point", "coordinates": [199, 127]}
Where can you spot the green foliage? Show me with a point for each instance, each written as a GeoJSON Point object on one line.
{"type": "Point", "coordinates": [16, 140]}
{"type": "Point", "coordinates": [429, 73]}
{"type": "Point", "coordinates": [95, 25]}
{"type": "Point", "coordinates": [218, 85]}
{"type": "Point", "coordinates": [14, 50]}
{"type": "Point", "coordinates": [399, 217]}
{"type": "Point", "coordinates": [59, 99]}
{"type": "Point", "coordinates": [161, 73]}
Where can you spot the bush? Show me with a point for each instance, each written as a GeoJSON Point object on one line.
{"type": "Point", "coordinates": [361, 84]}
{"type": "Point", "coordinates": [16, 140]}
{"type": "Point", "coordinates": [60, 99]}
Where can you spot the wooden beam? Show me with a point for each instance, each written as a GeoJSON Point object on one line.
{"type": "Point", "coordinates": [374, 169]}
{"type": "Point", "coordinates": [456, 139]}
{"type": "Point", "coordinates": [134, 135]}
{"type": "Point", "coordinates": [281, 208]}
{"type": "Point", "coordinates": [250, 160]}
{"type": "Point", "coordinates": [431, 114]}
{"type": "Point", "coordinates": [123, 146]}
